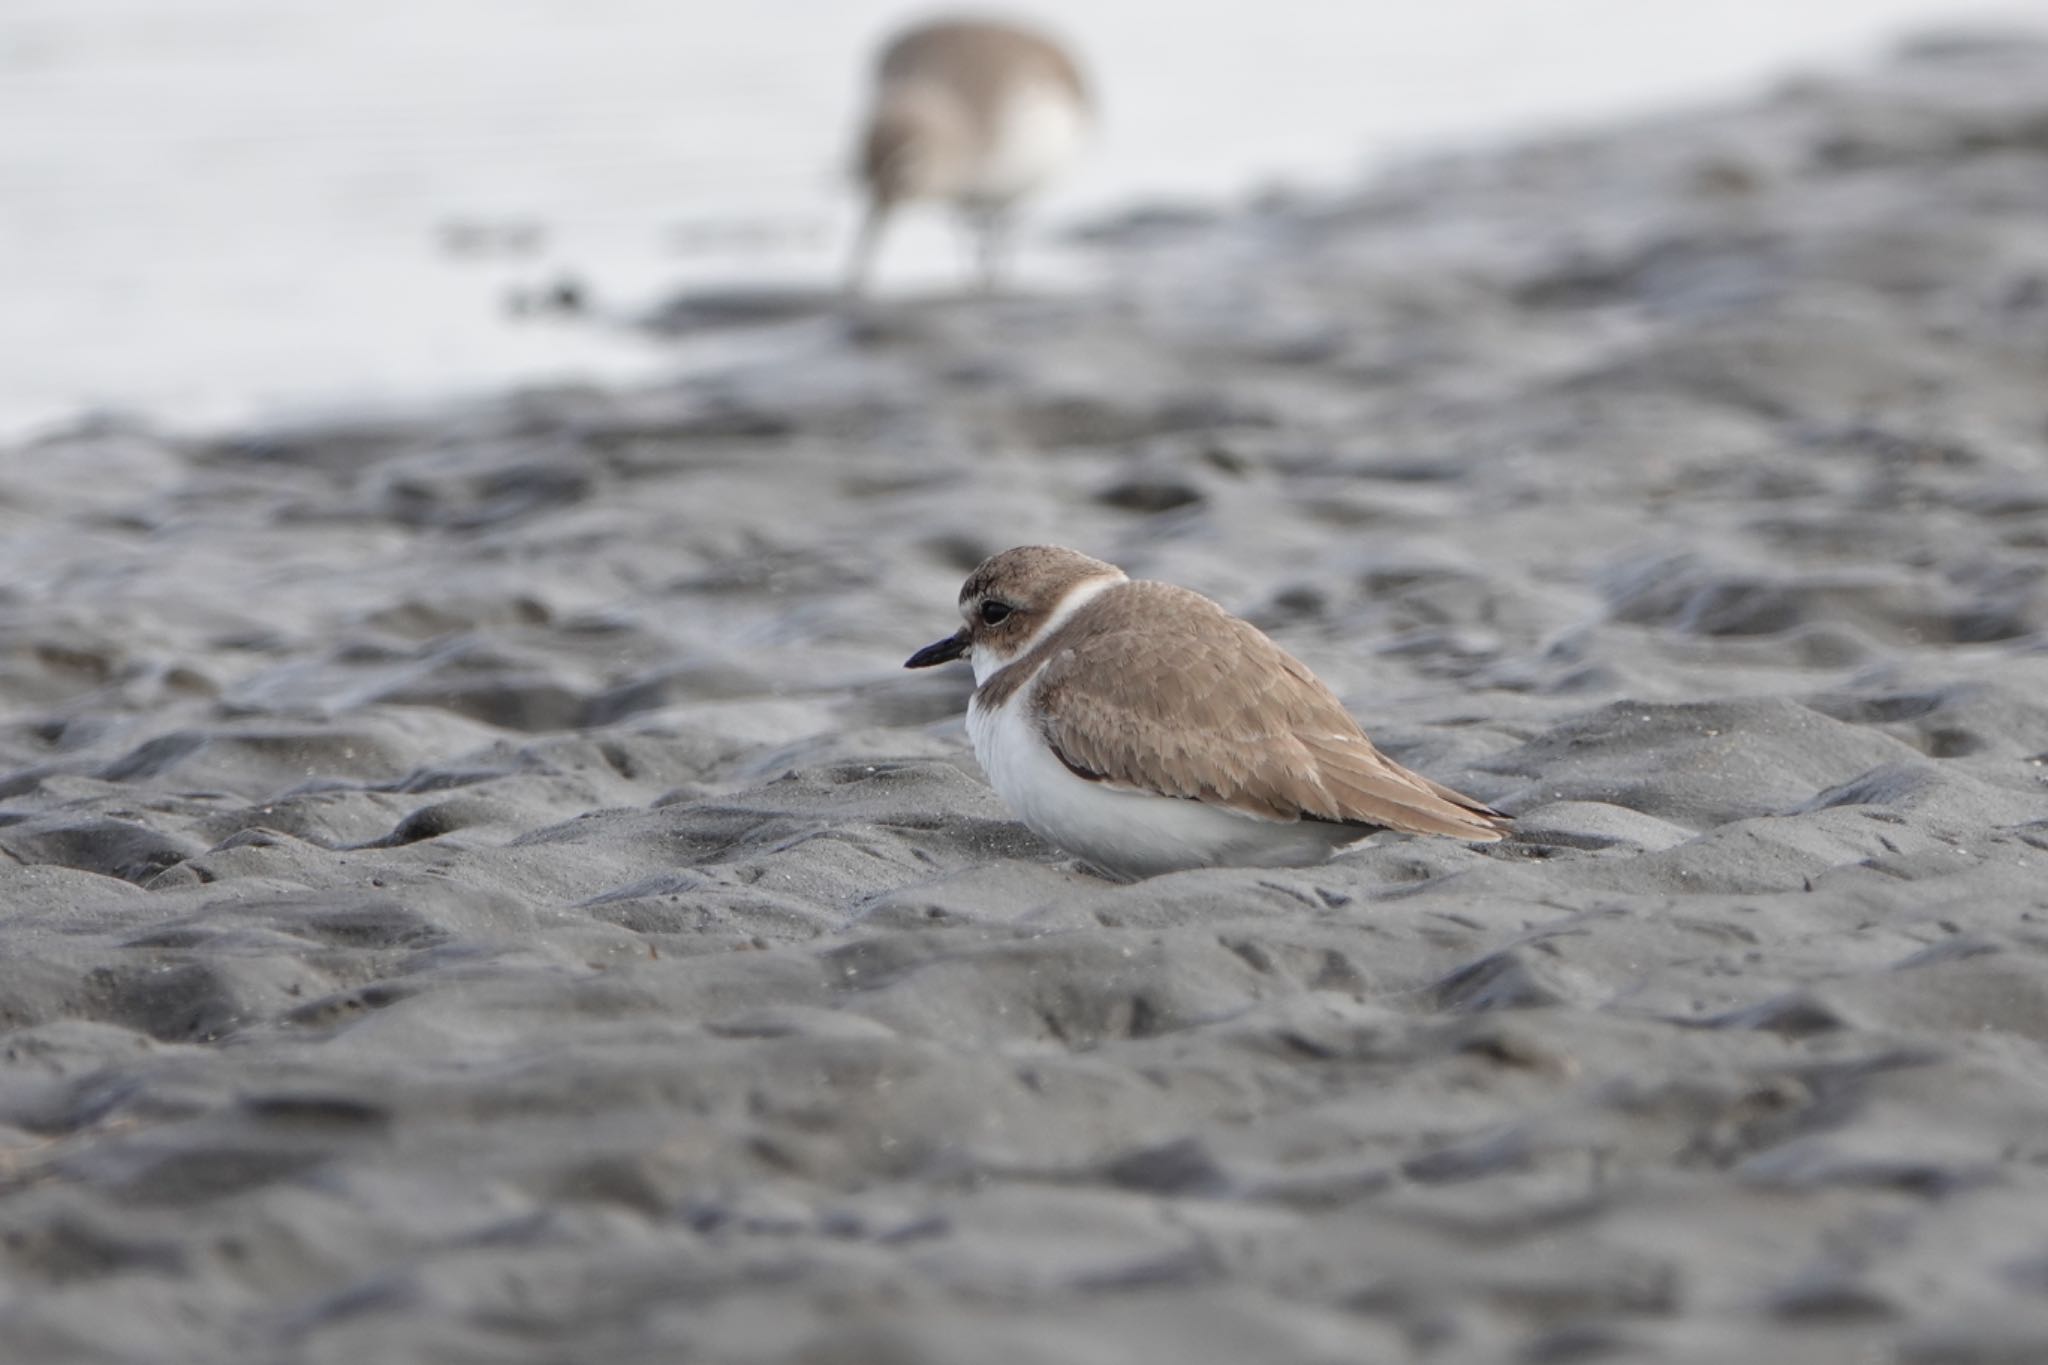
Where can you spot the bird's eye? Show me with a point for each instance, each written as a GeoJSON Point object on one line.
{"type": "Point", "coordinates": [994, 613]}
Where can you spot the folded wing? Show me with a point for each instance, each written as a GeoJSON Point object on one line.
{"type": "Point", "coordinates": [1224, 715]}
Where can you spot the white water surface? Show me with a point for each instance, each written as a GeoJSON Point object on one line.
{"type": "Point", "coordinates": [211, 210]}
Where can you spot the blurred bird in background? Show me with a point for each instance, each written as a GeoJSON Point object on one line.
{"type": "Point", "coordinates": [975, 113]}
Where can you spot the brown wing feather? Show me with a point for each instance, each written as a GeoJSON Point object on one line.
{"type": "Point", "coordinates": [1219, 713]}
{"type": "Point", "coordinates": [980, 58]}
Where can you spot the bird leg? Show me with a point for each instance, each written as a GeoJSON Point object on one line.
{"type": "Point", "coordinates": [866, 245]}
{"type": "Point", "coordinates": [990, 224]}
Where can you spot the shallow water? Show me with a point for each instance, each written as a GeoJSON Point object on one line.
{"type": "Point", "coordinates": [213, 207]}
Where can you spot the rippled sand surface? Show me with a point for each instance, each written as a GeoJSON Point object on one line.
{"type": "Point", "coordinates": [480, 887]}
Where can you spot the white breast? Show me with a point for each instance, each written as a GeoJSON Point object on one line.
{"type": "Point", "coordinates": [1040, 129]}
{"type": "Point", "coordinates": [1123, 832]}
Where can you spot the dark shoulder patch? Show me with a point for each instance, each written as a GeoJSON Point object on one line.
{"type": "Point", "coordinates": [1085, 774]}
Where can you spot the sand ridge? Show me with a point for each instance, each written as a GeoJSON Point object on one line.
{"type": "Point", "coordinates": [479, 886]}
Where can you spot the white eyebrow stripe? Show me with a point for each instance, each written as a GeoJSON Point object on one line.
{"type": "Point", "coordinates": [986, 665]}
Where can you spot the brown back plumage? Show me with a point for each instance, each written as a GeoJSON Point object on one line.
{"type": "Point", "coordinates": [977, 60]}
{"type": "Point", "coordinates": [1158, 689]}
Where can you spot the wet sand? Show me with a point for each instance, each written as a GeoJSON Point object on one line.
{"type": "Point", "coordinates": [480, 887]}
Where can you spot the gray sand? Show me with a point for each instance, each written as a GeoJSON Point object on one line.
{"type": "Point", "coordinates": [481, 888]}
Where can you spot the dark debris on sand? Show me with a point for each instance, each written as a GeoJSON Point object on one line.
{"type": "Point", "coordinates": [479, 888]}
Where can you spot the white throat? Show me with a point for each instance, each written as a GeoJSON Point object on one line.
{"type": "Point", "coordinates": [987, 663]}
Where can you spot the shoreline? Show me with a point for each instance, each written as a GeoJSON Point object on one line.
{"type": "Point", "coordinates": [369, 298]}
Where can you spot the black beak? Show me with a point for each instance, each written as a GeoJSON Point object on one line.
{"type": "Point", "coordinates": [944, 652]}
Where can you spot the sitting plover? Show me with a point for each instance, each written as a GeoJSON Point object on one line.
{"type": "Point", "coordinates": [1145, 729]}
{"type": "Point", "coordinates": [972, 112]}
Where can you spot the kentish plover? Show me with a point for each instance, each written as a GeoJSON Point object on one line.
{"type": "Point", "coordinates": [971, 112]}
{"type": "Point", "coordinates": [1145, 729]}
